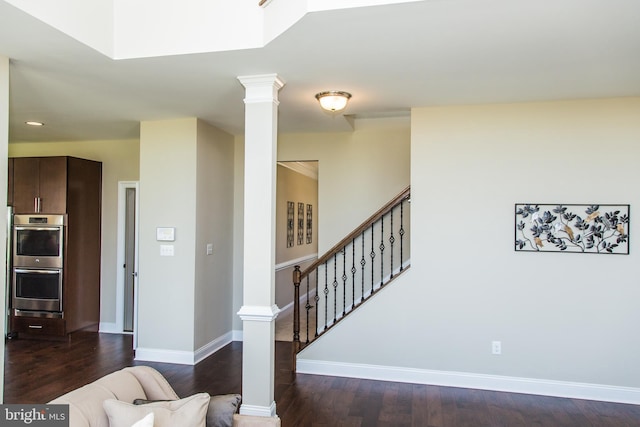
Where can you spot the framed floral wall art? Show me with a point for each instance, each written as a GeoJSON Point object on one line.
{"type": "Point", "coordinates": [601, 229]}
{"type": "Point", "coordinates": [290, 224]}
{"type": "Point", "coordinates": [300, 222]}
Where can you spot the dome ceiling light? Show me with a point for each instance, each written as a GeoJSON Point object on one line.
{"type": "Point", "coordinates": [333, 100]}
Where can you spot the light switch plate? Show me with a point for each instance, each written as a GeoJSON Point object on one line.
{"type": "Point", "coordinates": [165, 234]}
{"type": "Point", "coordinates": [166, 250]}
{"type": "Point", "coordinates": [209, 248]}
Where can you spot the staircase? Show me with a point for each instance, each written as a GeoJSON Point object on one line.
{"type": "Point", "coordinates": [351, 272]}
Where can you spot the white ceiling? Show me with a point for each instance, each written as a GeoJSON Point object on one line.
{"type": "Point", "coordinates": [391, 58]}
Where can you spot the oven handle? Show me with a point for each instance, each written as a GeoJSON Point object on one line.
{"type": "Point", "coordinates": [17, 227]}
{"type": "Point", "coordinates": [30, 270]}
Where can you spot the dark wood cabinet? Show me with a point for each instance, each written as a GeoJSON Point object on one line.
{"type": "Point", "coordinates": [39, 326]}
{"type": "Point", "coordinates": [10, 182]}
{"type": "Point", "coordinates": [71, 186]}
{"type": "Point", "coordinates": [39, 184]}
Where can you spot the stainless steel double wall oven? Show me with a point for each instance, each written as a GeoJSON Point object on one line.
{"type": "Point", "coordinates": [38, 261]}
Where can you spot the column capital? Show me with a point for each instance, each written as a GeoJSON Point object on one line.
{"type": "Point", "coordinates": [261, 88]}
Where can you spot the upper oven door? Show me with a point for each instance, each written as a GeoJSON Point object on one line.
{"type": "Point", "coordinates": [38, 245]}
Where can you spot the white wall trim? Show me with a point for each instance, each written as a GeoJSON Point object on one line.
{"type": "Point", "coordinates": [212, 347]}
{"type": "Point", "coordinates": [259, 313]}
{"type": "Point", "coordinates": [297, 261]}
{"type": "Point", "coordinates": [542, 387]}
{"type": "Point", "coordinates": [238, 335]}
{"type": "Point", "coordinates": [109, 328]}
{"type": "Point", "coordinates": [302, 168]}
{"type": "Point", "coordinates": [165, 356]}
{"type": "Point", "coordinates": [183, 357]}
{"type": "Point", "coordinates": [259, 411]}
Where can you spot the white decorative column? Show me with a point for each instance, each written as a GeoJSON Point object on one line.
{"type": "Point", "coordinates": [259, 311]}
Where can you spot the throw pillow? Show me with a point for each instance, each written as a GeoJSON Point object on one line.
{"type": "Point", "coordinates": [221, 409]}
{"type": "Point", "coordinates": [147, 421]}
{"type": "Point", "coordinates": [188, 412]}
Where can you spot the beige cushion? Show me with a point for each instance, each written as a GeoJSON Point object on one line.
{"type": "Point", "coordinates": [220, 412]}
{"type": "Point", "coordinates": [188, 412]}
{"type": "Point", "coordinates": [147, 421]}
{"type": "Point", "coordinates": [85, 403]}
{"type": "Point", "coordinates": [154, 384]}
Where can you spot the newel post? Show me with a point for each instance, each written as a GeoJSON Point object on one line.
{"type": "Point", "coordinates": [297, 274]}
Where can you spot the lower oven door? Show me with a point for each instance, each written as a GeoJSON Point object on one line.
{"type": "Point", "coordinates": [37, 289]}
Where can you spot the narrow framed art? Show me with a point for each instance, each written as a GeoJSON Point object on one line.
{"type": "Point", "coordinates": [598, 229]}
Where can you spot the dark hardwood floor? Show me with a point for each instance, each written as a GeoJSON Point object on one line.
{"type": "Point", "coordinates": [38, 371]}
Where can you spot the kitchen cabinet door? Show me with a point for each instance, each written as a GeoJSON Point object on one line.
{"type": "Point", "coordinates": [39, 182]}
{"type": "Point", "coordinates": [25, 184]}
{"type": "Point", "coordinates": [10, 182]}
{"type": "Point", "coordinates": [53, 184]}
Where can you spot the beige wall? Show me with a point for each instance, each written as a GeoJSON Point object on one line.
{"type": "Point", "coordinates": [120, 162]}
{"type": "Point", "coordinates": [295, 187]}
{"type": "Point", "coordinates": [238, 230]}
{"type": "Point", "coordinates": [168, 179]}
{"type": "Point", "coordinates": [214, 216]}
{"type": "Point", "coordinates": [359, 172]}
{"type": "Point", "coordinates": [186, 300]}
{"type": "Point", "coordinates": [560, 316]}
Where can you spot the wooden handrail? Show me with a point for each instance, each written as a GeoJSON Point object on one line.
{"type": "Point", "coordinates": [365, 225]}
{"type": "Point", "coordinates": [262, 2]}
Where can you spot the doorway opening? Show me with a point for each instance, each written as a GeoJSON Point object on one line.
{"type": "Point", "coordinates": [127, 280]}
{"type": "Point", "coordinates": [296, 233]}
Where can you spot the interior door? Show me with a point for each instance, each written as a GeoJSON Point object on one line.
{"type": "Point", "coordinates": [129, 265]}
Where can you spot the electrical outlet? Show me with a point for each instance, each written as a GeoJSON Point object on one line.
{"type": "Point", "coordinates": [496, 347]}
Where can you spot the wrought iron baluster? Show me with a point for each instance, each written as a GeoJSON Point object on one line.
{"type": "Point", "coordinates": [391, 240]}
{"type": "Point", "coordinates": [335, 287]}
{"type": "Point", "coordinates": [372, 255]}
{"type": "Point", "coordinates": [382, 250]}
{"type": "Point", "coordinates": [353, 273]}
{"type": "Point", "coordinates": [363, 262]}
{"type": "Point", "coordinates": [326, 295]}
{"type": "Point", "coordinates": [344, 280]}
{"type": "Point", "coordinates": [401, 233]}
{"type": "Point", "coordinates": [308, 308]}
{"type": "Point", "coordinates": [316, 299]}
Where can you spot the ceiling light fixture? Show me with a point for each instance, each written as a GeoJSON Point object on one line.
{"type": "Point", "coordinates": [333, 100]}
{"type": "Point", "coordinates": [33, 123]}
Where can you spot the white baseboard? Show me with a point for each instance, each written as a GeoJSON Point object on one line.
{"type": "Point", "coordinates": [542, 387]}
{"type": "Point", "coordinates": [183, 357]}
{"type": "Point", "coordinates": [165, 356]}
{"type": "Point", "coordinates": [213, 346]}
{"type": "Point", "coordinates": [237, 335]}
{"type": "Point", "coordinates": [109, 328]}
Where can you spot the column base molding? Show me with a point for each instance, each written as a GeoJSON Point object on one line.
{"type": "Point", "coordinates": [259, 313]}
{"type": "Point", "coordinates": [258, 411]}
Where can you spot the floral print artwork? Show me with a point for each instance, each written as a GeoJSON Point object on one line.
{"type": "Point", "coordinates": [572, 228]}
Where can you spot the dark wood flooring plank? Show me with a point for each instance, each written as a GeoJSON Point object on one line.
{"type": "Point", "coordinates": [301, 400]}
